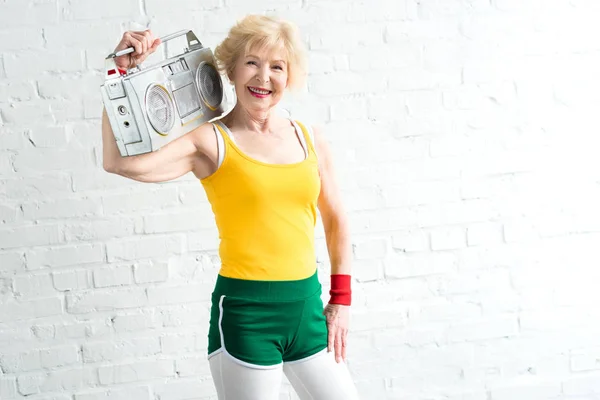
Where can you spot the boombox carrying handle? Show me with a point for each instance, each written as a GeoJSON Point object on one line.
{"type": "Point", "coordinates": [111, 66]}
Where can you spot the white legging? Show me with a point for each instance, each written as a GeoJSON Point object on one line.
{"type": "Point", "coordinates": [317, 378]}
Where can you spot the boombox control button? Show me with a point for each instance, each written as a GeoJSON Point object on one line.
{"type": "Point", "coordinates": [122, 110]}
{"type": "Point", "coordinates": [115, 90]}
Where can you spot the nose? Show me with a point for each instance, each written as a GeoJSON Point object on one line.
{"type": "Point", "coordinates": [264, 74]}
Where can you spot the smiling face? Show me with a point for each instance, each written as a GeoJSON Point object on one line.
{"type": "Point", "coordinates": [260, 78]}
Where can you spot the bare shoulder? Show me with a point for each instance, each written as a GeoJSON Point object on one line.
{"type": "Point", "coordinates": [321, 145]}
{"type": "Point", "coordinates": [204, 139]}
{"type": "Point", "coordinates": [208, 154]}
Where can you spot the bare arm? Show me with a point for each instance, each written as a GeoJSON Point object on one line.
{"type": "Point", "coordinates": [335, 221]}
{"type": "Point", "coordinates": [170, 162]}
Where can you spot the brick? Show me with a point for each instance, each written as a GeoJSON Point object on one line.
{"type": "Point", "coordinates": [519, 231]}
{"type": "Point", "coordinates": [65, 208]}
{"type": "Point", "coordinates": [448, 238]}
{"type": "Point", "coordinates": [401, 149]}
{"type": "Point", "coordinates": [320, 63]}
{"type": "Point", "coordinates": [144, 247]}
{"type": "Point", "coordinates": [23, 65]}
{"type": "Point", "coordinates": [85, 302]}
{"type": "Point", "coordinates": [410, 241]}
{"type": "Point", "coordinates": [528, 392]}
{"type": "Point", "coordinates": [8, 214]}
{"type": "Point", "coordinates": [346, 37]}
{"type": "Point", "coordinates": [11, 262]}
{"type": "Point", "coordinates": [71, 280]}
{"type": "Point", "coordinates": [423, 103]}
{"type": "Point", "coordinates": [113, 276]}
{"type": "Point", "coordinates": [98, 33]}
{"type": "Point", "coordinates": [206, 240]}
{"type": "Point", "coordinates": [191, 366]}
{"type": "Point", "coordinates": [10, 139]}
{"type": "Point", "coordinates": [119, 350]}
{"type": "Point", "coordinates": [137, 322]}
{"type": "Point", "coordinates": [485, 281]}
{"type": "Point", "coordinates": [131, 202]}
{"type": "Point", "coordinates": [184, 389]}
{"type": "Point", "coordinates": [585, 360]}
{"type": "Point", "coordinates": [20, 362]}
{"type": "Point", "coordinates": [17, 91]}
{"type": "Point", "coordinates": [582, 385]}
{"type": "Point", "coordinates": [48, 137]}
{"type": "Point", "coordinates": [8, 388]}
{"type": "Point", "coordinates": [174, 344]}
{"type": "Point", "coordinates": [149, 273]}
{"type": "Point", "coordinates": [65, 256]}
{"type": "Point", "coordinates": [30, 309]}
{"type": "Point", "coordinates": [39, 187]}
{"type": "Point", "coordinates": [178, 294]}
{"type": "Point", "coordinates": [187, 315]}
{"type": "Point", "coordinates": [345, 83]}
{"type": "Point", "coordinates": [60, 356]}
{"type": "Point", "coordinates": [409, 79]}
{"type": "Point", "coordinates": [34, 286]}
{"type": "Point", "coordinates": [347, 109]}
{"type": "Point", "coordinates": [128, 373]}
{"type": "Point", "coordinates": [418, 193]}
{"type": "Point", "coordinates": [485, 234]}
{"type": "Point", "coordinates": [134, 393]}
{"type": "Point", "coordinates": [81, 10]}
{"type": "Point", "coordinates": [15, 334]}
{"type": "Point", "coordinates": [90, 229]}
{"type": "Point", "coordinates": [21, 39]}
{"type": "Point", "coordinates": [82, 330]}
{"type": "Point", "coordinates": [67, 380]}
{"type": "Point", "coordinates": [497, 327]}
{"type": "Point", "coordinates": [7, 164]}
{"type": "Point", "coordinates": [179, 222]}
{"type": "Point", "coordinates": [370, 249]}
{"type": "Point", "coordinates": [53, 160]}
{"type": "Point", "coordinates": [25, 236]}
{"type": "Point", "coordinates": [417, 264]}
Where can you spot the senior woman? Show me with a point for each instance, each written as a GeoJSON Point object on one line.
{"type": "Point", "coordinates": [264, 176]}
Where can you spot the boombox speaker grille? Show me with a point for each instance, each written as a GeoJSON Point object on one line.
{"type": "Point", "coordinates": [209, 85]}
{"type": "Point", "coordinates": [160, 109]}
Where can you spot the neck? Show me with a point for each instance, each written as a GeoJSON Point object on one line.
{"type": "Point", "coordinates": [251, 120]}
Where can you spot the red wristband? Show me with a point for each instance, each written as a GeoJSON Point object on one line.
{"type": "Point", "coordinates": [341, 289]}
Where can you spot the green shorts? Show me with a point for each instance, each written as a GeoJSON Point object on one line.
{"type": "Point", "coordinates": [264, 323]}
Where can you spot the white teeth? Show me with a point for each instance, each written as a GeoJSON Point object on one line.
{"type": "Point", "coordinates": [258, 91]}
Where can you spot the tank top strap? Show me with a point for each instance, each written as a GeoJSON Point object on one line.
{"type": "Point", "coordinates": [308, 136]}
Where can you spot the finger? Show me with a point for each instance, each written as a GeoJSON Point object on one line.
{"type": "Point", "coordinates": [344, 343]}
{"type": "Point", "coordinates": [338, 345]}
{"type": "Point", "coordinates": [156, 43]}
{"type": "Point", "coordinates": [149, 39]}
{"type": "Point", "coordinates": [138, 42]}
{"type": "Point", "coordinates": [331, 328]}
{"type": "Point", "coordinates": [144, 42]}
{"type": "Point", "coordinates": [133, 40]}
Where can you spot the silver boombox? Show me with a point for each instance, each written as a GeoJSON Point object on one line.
{"type": "Point", "coordinates": [151, 106]}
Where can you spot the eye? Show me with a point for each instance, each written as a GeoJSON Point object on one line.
{"type": "Point", "coordinates": [251, 62]}
{"type": "Point", "coordinates": [279, 67]}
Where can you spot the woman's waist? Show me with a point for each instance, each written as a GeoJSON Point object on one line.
{"type": "Point", "coordinates": [268, 289]}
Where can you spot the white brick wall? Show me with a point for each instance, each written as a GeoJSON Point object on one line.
{"type": "Point", "coordinates": [465, 134]}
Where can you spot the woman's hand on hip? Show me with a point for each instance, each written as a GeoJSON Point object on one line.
{"type": "Point", "coordinates": [338, 322]}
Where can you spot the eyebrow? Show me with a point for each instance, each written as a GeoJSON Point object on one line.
{"type": "Point", "coordinates": [252, 55]}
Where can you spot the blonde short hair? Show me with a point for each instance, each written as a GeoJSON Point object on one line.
{"type": "Point", "coordinates": [264, 32]}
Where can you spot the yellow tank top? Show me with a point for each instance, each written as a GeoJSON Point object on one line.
{"type": "Point", "coordinates": [265, 214]}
